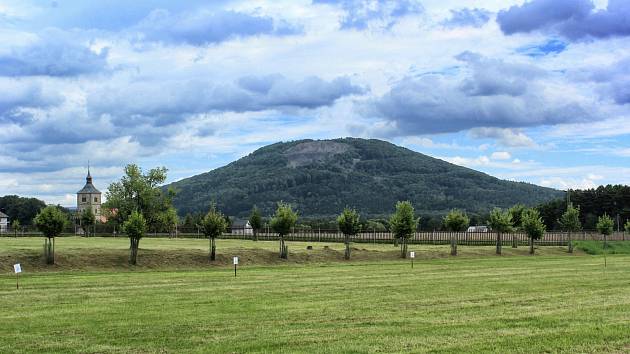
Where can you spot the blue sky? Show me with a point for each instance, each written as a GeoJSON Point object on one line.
{"type": "Point", "coordinates": [535, 91]}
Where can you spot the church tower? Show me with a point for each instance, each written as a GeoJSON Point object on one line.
{"type": "Point", "coordinates": [89, 197]}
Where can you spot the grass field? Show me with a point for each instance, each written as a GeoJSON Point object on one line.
{"type": "Point", "coordinates": [552, 302]}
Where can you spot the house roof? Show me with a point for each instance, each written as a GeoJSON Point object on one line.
{"type": "Point", "coordinates": [3, 215]}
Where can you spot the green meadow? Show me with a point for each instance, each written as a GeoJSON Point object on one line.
{"type": "Point", "coordinates": [175, 301]}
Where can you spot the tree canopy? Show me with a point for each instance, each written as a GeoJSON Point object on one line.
{"type": "Point", "coordinates": [284, 219]}
{"type": "Point", "coordinates": [51, 221]}
{"type": "Point", "coordinates": [20, 208]}
{"type": "Point", "coordinates": [456, 220]}
{"type": "Point", "coordinates": [570, 220]}
{"type": "Point", "coordinates": [138, 191]}
{"type": "Point", "coordinates": [403, 223]}
{"type": "Point", "coordinates": [500, 221]}
{"type": "Point", "coordinates": [532, 224]}
{"type": "Point", "coordinates": [349, 222]}
{"type": "Point", "coordinates": [605, 225]}
{"type": "Point", "coordinates": [213, 224]}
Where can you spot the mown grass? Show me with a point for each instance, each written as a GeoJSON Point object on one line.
{"type": "Point", "coordinates": [597, 247]}
{"type": "Point", "coordinates": [553, 302]}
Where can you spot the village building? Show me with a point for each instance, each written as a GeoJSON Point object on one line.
{"type": "Point", "coordinates": [89, 198]}
{"type": "Point", "coordinates": [4, 222]}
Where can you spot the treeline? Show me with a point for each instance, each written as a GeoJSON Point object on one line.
{"type": "Point", "coordinates": [613, 200]}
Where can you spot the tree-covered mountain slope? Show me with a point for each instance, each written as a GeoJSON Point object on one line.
{"type": "Point", "coordinates": [320, 177]}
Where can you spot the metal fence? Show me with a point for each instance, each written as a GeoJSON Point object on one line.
{"type": "Point", "coordinates": [373, 236]}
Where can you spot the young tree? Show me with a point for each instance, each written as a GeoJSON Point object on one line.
{"type": "Point", "coordinates": [87, 220]}
{"type": "Point", "coordinates": [533, 225]}
{"type": "Point", "coordinates": [255, 221]}
{"type": "Point", "coordinates": [135, 226]}
{"type": "Point", "coordinates": [213, 226]}
{"type": "Point", "coordinates": [605, 226]}
{"type": "Point", "coordinates": [516, 212]}
{"type": "Point", "coordinates": [168, 221]}
{"type": "Point", "coordinates": [15, 225]}
{"type": "Point", "coordinates": [349, 225]}
{"type": "Point", "coordinates": [570, 222]}
{"type": "Point", "coordinates": [627, 226]}
{"type": "Point", "coordinates": [403, 223]}
{"type": "Point", "coordinates": [138, 191]}
{"type": "Point", "coordinates": [457, 221]}
{"type": "Point", "coordinates": [501, 222]}
{"type": "Point", "coordinates": [50, 221]}
{"type": "Point", "coordinates": [282, 222]}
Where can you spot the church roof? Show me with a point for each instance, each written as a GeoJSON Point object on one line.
{"type": "Point", "coordinates": [89, 187]}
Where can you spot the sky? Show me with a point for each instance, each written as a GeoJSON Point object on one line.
{"type": "Point", "coordinates": [535, 91]}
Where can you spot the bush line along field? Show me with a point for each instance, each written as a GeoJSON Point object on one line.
{"type": "Point", "coordinates": [552, 302]}
{"type": "Point", "coordinates": [107, 253]}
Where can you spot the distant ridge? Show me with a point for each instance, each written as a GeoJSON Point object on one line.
{"type": "Point", "coordinates": [320, 177]}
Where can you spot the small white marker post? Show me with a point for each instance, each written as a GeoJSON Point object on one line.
{"type": "Point", "coordinates": [235, 261]}
{"type": "Point", "coordinates": [17, 268]}
{"type": "Point", "coordinates": [412, 255]}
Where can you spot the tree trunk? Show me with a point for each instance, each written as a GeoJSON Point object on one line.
{"type": "Point", "coordinates": [134, 251]}
{"type": "Point", "coordinates": [347, 242]}
{"type": "Point", "coordinates": [49, 250]}
{"type": "Point", "coordinates": [283, 249]}
{"type": "Point", "coordinates": [395, 241]}
{"type": "Point", "coordinates": [403, 247]}
{"type": "Point", "coordinates": [570, 244]}
{"type": "Point", "coordinates": [213, 249]}
{"type": "Point", "coordinates": [255, 231]}
{"type": "Point", "coordinates": [514, 241]}
{"type": "Point", "coordinates": [498, 243]}
{"type": "Point", "coordinates": [531, 245]}
{"type": "Point", "coordinates": [453, 244]}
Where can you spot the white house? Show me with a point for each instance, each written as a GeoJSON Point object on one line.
{"type": "Point", "coordinates": [4, 222]}
{"type": "Point", "coordinates": [242, 228]}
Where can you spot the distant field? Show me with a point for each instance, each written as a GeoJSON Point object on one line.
{"type": "Point", "coordinates": [553, 302]}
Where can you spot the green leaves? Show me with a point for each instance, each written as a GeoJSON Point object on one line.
{"type": "Point", "coordinates": [533, 224]}
{"type": "Point", "coordinates": [403, 223]}
{"type": "Point", "coordinates": [141, 192]}
{"type": "Point", "coordinates": [570, 220]}
{"type": "Point", "coordinates": [135, 226]}
{"type": "Point", "coordinates": [284, 219]}
{"type": "Point", "coordinates": [456, 220]}
{"type": "Point", "coordinates": [50, 221]}
{"type": "Point", "coordinates": [213, 224]}
{"type": "Point", "coordinates": [255, 219]}
{"type": "Point", "coordinates": [627, 226]}
{"type": "Point", "coordinates": [605, 225]}
{"type": "Point", "coordinates": [349, 222]}
{"type": "Point", "coordinates": [500, 221]}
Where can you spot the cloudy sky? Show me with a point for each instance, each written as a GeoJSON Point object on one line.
{"type": "Point", "coordinates": [535, 91]}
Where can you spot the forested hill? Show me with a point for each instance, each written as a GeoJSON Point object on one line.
{"type": "Point", "coordinates": [320, 177]}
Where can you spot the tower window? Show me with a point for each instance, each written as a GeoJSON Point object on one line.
{"type": "Point", "coordinates": [83, 199]}
{"type": "Point", "coordinates": [95, 199]}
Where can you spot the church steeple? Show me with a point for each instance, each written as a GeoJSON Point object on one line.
{"type": "Point", "coordinates": [88, 179]}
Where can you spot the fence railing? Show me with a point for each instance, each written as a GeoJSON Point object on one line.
{"type": "Point", "coordinates": [373, 236]}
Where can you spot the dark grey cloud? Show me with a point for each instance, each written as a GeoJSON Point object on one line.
{"type": "Point", "coordinates": [359, 13]}
{"type": "Point", "coordinates": [468, 18]}
{"type": "Point", "coordinates": [614, 80]}
{"type": "Point", "coordinates": [573, 19]}
{"type": "Point", "coordinates": [18, 95]}
{"type": "Point", "coordinates": [53, 54]}
{"type": "Point", "coordinates": [168, 102]}
{"type": "Point", "coordinates": [494, 94]}
{"type": "Point", "coordinates": [207, 27]}
{"type": "Point", "coordinates": [491, 77]}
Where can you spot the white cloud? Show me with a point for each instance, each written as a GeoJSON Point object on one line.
{"type": "Point", "coordinates": [500, 155]}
